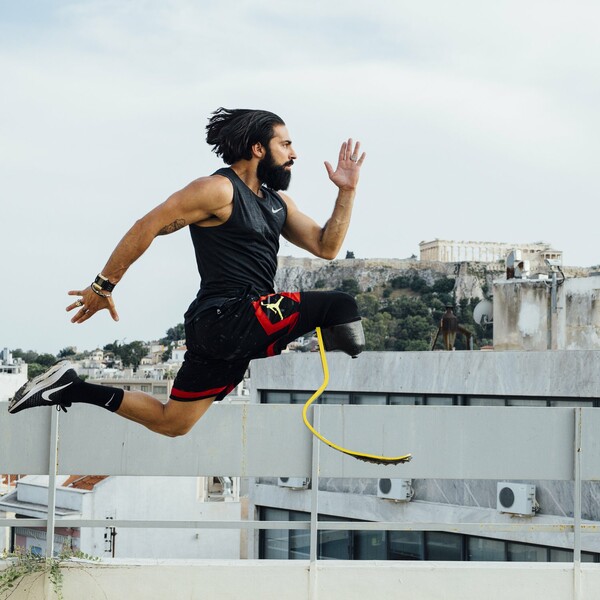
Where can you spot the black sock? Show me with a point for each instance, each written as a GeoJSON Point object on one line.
{"type": "Point", "coordinates": [103, 396]}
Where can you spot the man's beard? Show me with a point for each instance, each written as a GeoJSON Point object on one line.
{"type": "Point", "coordinates": [273, 176]}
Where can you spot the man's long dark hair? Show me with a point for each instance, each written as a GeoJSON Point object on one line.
{"type": "Point", "coordinates": [232, 133]}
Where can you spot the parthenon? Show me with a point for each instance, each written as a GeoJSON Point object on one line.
{"type": "Point", "coordinates": [455, 251]}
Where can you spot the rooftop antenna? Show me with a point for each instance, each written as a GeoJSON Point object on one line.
{"type": "Point", "coordinates": [483, 313]}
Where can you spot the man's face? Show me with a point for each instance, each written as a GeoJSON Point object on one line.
{"type": "Point", "coordinates": [275, 168]}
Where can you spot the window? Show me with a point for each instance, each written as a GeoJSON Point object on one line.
{"type": "Point", "coordinates": [275, 542]}
{"type": "Point", "coordinates": [396, 545]}
{"type": "Point", "coordinates": [485, 549]}
{"type": "Point", "coordinates": [370, 545]}
{"type": "Point", "coordinates": [406, 545]}
{"type": "Point", "coordinates": [160, 389]}
{"type": "Point", "coordinates": [571, 403]}
{"type": "Point", "coordinates": [299, 538]}
{"type": "Point", "coordinates": [526, 552]}
{"type": "Point", "coordinates": [486, 402]}
{"type": "Point", "coordinates": [440, 545]}
{"type": "Point", "coordinates": [525, 402]}
{"type": "Point", "coordinates": [370, 399]}
{"type": "Point", "coordinates": [284, 543]}
{"type": "Point", "coordinates": [406, 400]}
{"type": "Point", "coordinates": [334, 398]}
{"type": "Point", "coordinates": [269, 397]}
{"type": "Point", "coordinates": [440, 401]}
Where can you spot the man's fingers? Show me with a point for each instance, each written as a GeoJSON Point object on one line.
{"type": "Point", "coordinates": [82, 315]}
{"type": "Point", "coordinates": [112, 310]}
{"type": "Point", "coordinates": [361, 160]}
{"type": "Point", "coordinates": [329, 169]}
{"type": "Point", "coordinates": [75, 293]}
{"type": "Point", "coordinates": [342, 155]}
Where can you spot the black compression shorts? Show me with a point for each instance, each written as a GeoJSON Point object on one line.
{"type": "Point", "coordinates": [228, 333]}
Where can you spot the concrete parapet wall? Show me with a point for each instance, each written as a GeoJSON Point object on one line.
{"type": "Point", "coordinates": [331, 580]}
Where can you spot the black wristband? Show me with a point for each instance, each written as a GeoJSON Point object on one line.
{"type": "Point", "coordinates": [104, 283]}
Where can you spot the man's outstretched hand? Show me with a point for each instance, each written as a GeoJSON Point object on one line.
{"type": "Point", "coordinates": [89, 304]}
{"type": "Point", "coordinates": [347, 172]}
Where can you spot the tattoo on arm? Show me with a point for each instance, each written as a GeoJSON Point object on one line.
{"type": "Point", "coordinates": [172, 227]}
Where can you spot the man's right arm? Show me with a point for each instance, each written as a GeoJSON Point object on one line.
{"type": "Point", "coordinates": [197, 202]}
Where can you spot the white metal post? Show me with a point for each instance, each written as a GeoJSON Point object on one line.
{"type": "Point", "coordinates": [52, 471]}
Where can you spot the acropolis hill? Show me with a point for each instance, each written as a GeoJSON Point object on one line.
{"type": "Point", "coordinates": [314, 273]}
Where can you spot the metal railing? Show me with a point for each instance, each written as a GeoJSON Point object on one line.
{"type": "Point", "coordinates": [447, 443]}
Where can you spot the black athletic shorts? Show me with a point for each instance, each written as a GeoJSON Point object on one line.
{"type": "Point", "coordinates": [224, 334]}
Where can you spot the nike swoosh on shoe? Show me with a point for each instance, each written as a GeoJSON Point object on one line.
{"type": "Point", "coordinates": [46, 393]}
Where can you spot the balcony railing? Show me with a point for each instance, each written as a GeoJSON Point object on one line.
{"type": "Point", "coordinates": [271, 441]}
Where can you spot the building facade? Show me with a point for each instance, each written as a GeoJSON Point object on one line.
{"type": "Point", "coordinates": [468, 251]}
{"type": "Point", "coordinates": [462, 380]}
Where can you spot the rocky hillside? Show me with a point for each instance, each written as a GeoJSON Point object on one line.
{"type": "Point", "coordinates": [314, 273]}
{"type": "Point", "coordinates": [370, 273]}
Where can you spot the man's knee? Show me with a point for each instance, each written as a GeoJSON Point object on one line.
{"type": "Point", "coordinates": [176, 426]}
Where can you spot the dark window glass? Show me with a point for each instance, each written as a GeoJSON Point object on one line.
{"type": "Point", "coordinates": [486, 549]}
{"type": "Point", "coordinates": [334, 398]}
{"type": "Point", "coordinates": [526, 552]}
{"type": "Point", "coordinates": [370, 399]}
{"type": "Point", "coordinates": [406, 545]}
{"type": "Point", "coordinates": [299, 538]}
{"type": "Point", "coordinates": [443, 546]}
{"type": "Point", "coordinates": [406, 400]}
{"type": "Point", "coordinates": [275, 542]}
{"type": "Point", "coordinates": [525, 402]}
{"type": "Point", "coordinates": [486, 402]}
{"type": "Point", "coordinates": [440, 401]}
{"type": "Point", "coordinates": [370, 545]}
{"type": "Point", "coordinates": [269, 397]}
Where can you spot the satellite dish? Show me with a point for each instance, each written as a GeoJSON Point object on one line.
{"type": "Point", "coordinates": [483, 313]}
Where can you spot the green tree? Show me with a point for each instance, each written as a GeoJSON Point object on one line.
{"type": "Point", "coordinates": [350, 286]}
{"type": "Point", "coordinates": [66, 352]}
{"type": "Point", "coordinates": [174, 334]}
{"type": "Point", "coordinates": [413, 333]}
{"type": "Point", "coordinates": [368, 305]}
{"type": "Point", "coordinates": [28, 357]}
{"type": "Point", "coordinates": [403, 307]}
{"type": "Point", "coordinates": [132, 353]}
{"type": "Point", "coordinates": [444, 285]}
{"type": "Point", "coordinates": [35, 369]}
{"type": "Point", "coordinates": [46, 360]}
{"type": "Point", "coordinates": [378, 331]}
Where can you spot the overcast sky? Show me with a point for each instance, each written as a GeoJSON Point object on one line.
{"type": "Point", "coordinates": [480, 121]}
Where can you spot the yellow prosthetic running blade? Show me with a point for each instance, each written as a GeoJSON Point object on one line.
{"type": "Point", "coordinates": [373, 458]}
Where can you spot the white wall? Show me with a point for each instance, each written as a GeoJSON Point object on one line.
{"type": "Point", "coordinates": [10, 383]}
{"type": "Point", "coordinates": [156, 498]}
{"type": "Point", "coordinates": [327, 580]}
{"type": "Point", "coordinates": [523, 318]}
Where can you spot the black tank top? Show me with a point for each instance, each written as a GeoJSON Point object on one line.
{"type": "Point", "coordinates": [240, 254]}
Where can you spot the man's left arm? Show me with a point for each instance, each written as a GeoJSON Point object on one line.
{"type": "Point", "coordinates": [326, 241]}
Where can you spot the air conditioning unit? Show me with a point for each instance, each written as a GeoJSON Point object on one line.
{"type": "Point", "coordinates": [516, 498]}
{"type": "Point", "coordinates": [400, 490]}
{"type": "Point", "coordinates": [296, 483]}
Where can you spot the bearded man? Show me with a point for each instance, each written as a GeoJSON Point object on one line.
{"type": "Point", "coordinates": [235, 217]}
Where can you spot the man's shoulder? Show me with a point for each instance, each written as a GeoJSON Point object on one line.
{"type": "Point", "coordinates": [211, 186]}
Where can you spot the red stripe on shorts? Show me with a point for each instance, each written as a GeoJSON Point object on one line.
{"type": "Point", "coordinates": [175, 393]}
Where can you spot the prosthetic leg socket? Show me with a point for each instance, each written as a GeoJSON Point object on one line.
{"type": "Point", "coordinates": [347, 337]}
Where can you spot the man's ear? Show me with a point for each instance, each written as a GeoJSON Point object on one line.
{"type": "Point", "coordinates": [258, 150]}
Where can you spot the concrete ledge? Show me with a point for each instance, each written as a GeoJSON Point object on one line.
{"type": "Point", "coordinates": [330, 580]}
